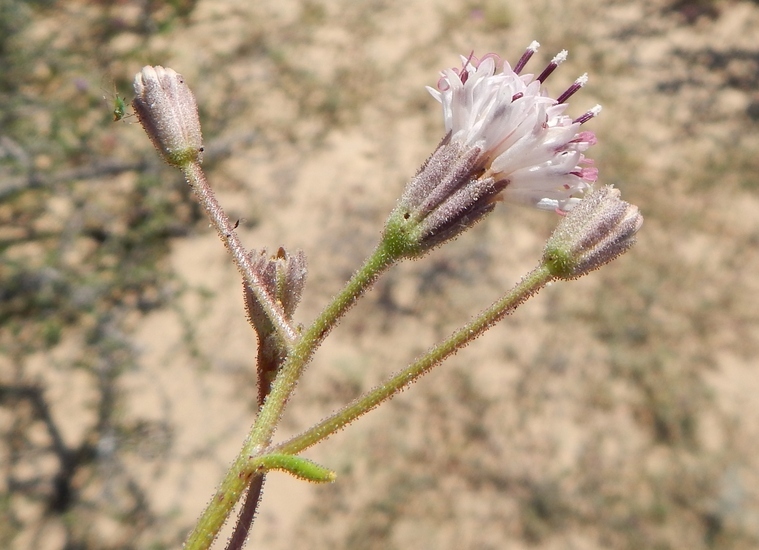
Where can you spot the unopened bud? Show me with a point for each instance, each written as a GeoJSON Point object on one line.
{"type": "Point", "coordinates": [600, 228]}
{"type": "Point", "coordinates": [167, 111]}
{"type": "Point", "coordinates": [283, 276]}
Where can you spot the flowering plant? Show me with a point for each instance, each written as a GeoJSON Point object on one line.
{"type": "Point", "coordinates": [506, 139]}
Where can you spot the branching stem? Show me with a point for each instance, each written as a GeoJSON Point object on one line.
{"type": "Point", "coordinates": [526, 288]}
{"type": "Point", "coordinates": [247, 464]}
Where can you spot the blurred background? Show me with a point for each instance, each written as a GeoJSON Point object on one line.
{"type": "Point", "coordinates": [620, 411]}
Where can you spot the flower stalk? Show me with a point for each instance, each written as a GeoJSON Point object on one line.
{"type": "Point", "coordinates": [594, 233]}
{"type": "Point", "coordinates": [228, 235]}
{"type": "Point", "coordinates": [167, 111]}
{"type": "Point", "coordinates": [528, 287]}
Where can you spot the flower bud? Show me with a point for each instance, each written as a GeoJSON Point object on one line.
{"type": "Point", "coordinates": [283, 276]}
{"type": "Point", "coordinates": [596, 231]}
{"type": "Point", "coordinates": [167, 111]}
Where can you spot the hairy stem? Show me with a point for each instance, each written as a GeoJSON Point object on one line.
{"type": "Point", "coordinates": [527, 287]}
{"type": "Point", "coordinates": [197, 179]}
{"type": "Point", "coordinates": [247, 463]}
{"type": "Point", "coordinates": [247, 514]}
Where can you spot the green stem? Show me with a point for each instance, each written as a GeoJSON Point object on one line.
{"type": "Point", "coordinates": [304, 349]}
{"type": "Point", "coordinates": [247, 462]}
{"type": "Point", "coordinates": [525, 289]}
{"type": "Point", "coordinates": [220, 507]}
{"type": "Point", "coordinates": [197, 179]}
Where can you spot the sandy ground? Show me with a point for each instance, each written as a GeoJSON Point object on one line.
{"type": "Point", "coordinates": [618, 411]}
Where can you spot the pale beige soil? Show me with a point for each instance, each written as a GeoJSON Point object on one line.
{"type": "Point", "coordinates": [619, 411]}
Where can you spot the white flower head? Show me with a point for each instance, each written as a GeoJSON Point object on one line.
{"type": "Point", "coordinates": [523, 136]}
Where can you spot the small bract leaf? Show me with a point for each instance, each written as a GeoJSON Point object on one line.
{"type": "Point", "coordinates": [299, 467]}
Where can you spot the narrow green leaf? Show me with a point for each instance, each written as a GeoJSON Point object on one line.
{"type": "Point", "coordinates": [299, 467]}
